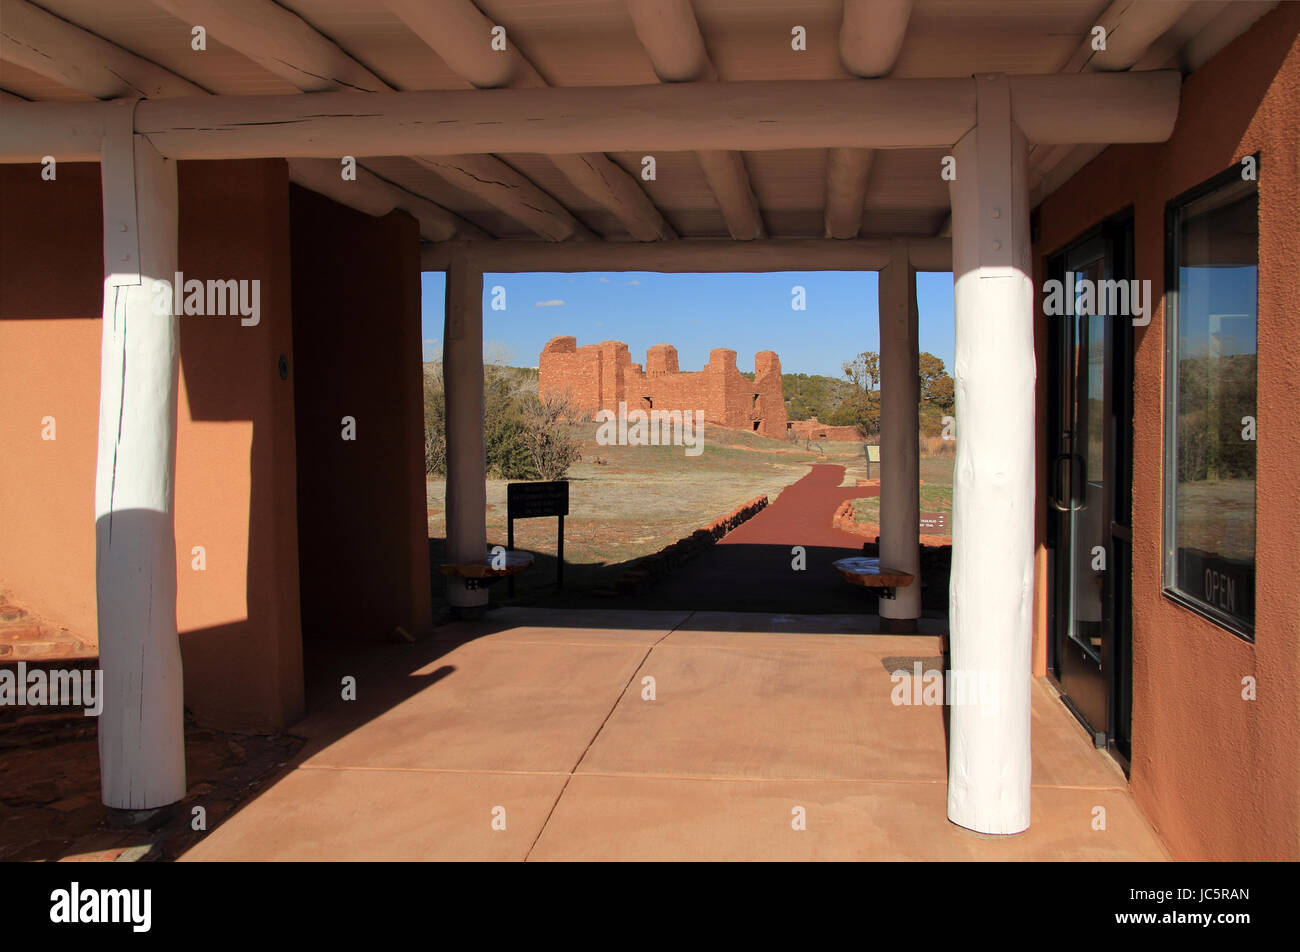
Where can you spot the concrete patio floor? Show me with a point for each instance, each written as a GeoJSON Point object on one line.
{"type": "Point", "coordinates": [537, 716]}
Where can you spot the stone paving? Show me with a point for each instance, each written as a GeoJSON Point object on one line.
{"type": "Point", "coordinates": [531, 735]}
{"type": "Point", "coordinates": [49, 791]}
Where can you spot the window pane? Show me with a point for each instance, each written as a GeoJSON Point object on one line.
{"type": "Point", "coordinates": [1213, 557]}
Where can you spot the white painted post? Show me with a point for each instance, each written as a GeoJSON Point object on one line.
{"type": "Point", "coordinates": [992, 584]}
{"type": "Point", "coordinates": [462, 375]}
{"type": "Point", "coordinates": [900, 503]}
{"type": "Point", "coordinates": [141, 727]}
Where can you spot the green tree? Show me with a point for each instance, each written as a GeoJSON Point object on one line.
{"type": "Point", "coordinates": [505, 429]}
{"type": "Point", "coordinates": [523, 437]}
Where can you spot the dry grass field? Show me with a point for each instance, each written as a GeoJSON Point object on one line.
{"type": "Point", "coordinates": [936, 491]}
{"type": "Point", "coordinates": [626, 501]}
{"type": "Point", "coordinates": [629, 501]}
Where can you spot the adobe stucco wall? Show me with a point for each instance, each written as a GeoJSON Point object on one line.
{"type": "Point", "coordinates": [1218, 775]}
{"type": "Point", "coordinates": [240, 639]}
{"type": "Point", "coordinates": [600, 376]}
{"type": "Point", "coordinates": [362, 520]}
{"type": "Point", "coordinates": [51, 288]}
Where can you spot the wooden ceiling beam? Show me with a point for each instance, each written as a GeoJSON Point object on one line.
{"type": "Point", "coordinates": [375, 196]}
{"type": "Point", "coordinates": [671, 37]}
{"type": "Point", "coordinates": [1131, 26]}
{"type": "Point", "coordinates": [279, 41]}
{"type": "Point", "coordinates": [287, 45]}
{"type": "Point", "coordinates": [691, 255]}
{"type": "Point", "coordinates": [508, 190]}
{"type": "Point", "coordinates": [54, 48]}
{"type": "Point", "coordinates": [461, 35]}
{"type": "Point", "coordinates": [64, 52]}
{"type": "Point", "coordinates": [1099, 108]}
{"type": "Point", "coordinates": [871, 36]}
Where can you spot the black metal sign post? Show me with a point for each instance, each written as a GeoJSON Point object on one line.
{"type": "Point", "coordinates": [533, 501]}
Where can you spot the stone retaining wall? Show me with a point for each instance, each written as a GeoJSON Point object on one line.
{"type": "Point", "coordinates": [671, 557]}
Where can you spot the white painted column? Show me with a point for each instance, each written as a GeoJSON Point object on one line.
{"type": "Point", "coordinates": [141, 727]}
{"type": "Point", "coordinates": [462, 374]}
{"type": "Point", "coordinates": [900, 501]}
{"type": "Point", "coordinates": [992, 585]}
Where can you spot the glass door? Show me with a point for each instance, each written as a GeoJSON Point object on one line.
{"type": "Point", "coordinates": [1089, 437]}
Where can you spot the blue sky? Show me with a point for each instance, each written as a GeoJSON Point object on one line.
{"type": "Point", "coordinates": [1224, 297]}
{"type": "Point", "coordinates": [696, 313]}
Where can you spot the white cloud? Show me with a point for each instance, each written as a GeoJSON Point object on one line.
{"type": "Point", "coordinates": [603, 280]}
{"type": "Point", "coordinates": [555, 303]}
{"type": "Point", "coordinates": [634, 281]}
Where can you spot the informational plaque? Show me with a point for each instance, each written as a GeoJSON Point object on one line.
{"type": "Point", "coordinates": [934, 523]}
{"type": "Point", "coordinates": [535, 501]}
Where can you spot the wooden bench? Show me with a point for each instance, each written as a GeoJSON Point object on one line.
{"type": "Point", "coordinates": [482, 572]}
{"type": "Point", "coordinates": [867, 572]}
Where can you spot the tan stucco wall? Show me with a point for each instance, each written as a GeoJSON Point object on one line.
{"type": "Point", "coordinates": [235, 472]}
{"type": "Point", "coordinates": [241, 639]}
{"type": "Point", "coordinates": [1218, 775]}
{"type": "Point", "coordinates": [50, 294]}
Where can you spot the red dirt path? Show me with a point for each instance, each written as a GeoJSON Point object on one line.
{"type": "Point", "coordinates": [802, 514]}
{"type": "Point", "coordinates": [752, 567]}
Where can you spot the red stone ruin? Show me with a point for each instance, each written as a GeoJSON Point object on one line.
{"type": "Point", "coordinates": [600, 376]}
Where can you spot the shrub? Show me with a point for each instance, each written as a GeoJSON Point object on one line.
{"type": "Point", "coordinates": [547, 438]}
{"type": "Point", "coordinates": [523, 437]}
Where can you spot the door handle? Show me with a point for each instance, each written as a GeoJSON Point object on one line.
{"type": "Point", "coordinates": [1064, 468]}
{"type": "Point", "coordinates": [1078, 488]}
{"type": "Point", "coordinates": [1060, 462]}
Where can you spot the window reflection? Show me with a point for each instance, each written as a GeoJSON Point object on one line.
{"type": "Point", "coordinates": [1212, 549]}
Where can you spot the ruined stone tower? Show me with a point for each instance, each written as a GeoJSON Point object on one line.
{"type": "Point", "coordinates": [600, 376]}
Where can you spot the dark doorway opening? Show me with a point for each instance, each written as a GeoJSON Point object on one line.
{"type": "Point", "coordinates": [1089, 439]}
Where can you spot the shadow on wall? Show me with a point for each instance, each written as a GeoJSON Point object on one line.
{"type": "Point", "coordinates": [235, 473]}
{"type": "Point", "coordinates": [358, 387]}
{"type": "Point", "coordinates": [235, 455]}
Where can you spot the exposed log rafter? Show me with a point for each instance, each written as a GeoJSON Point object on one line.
{"type": "Point", "coordinates": [671, 37]}
{"type": "Point", "coordinates": [77, 58]}
{"type": "Point", "coordinates": [376, 196]}
{"type": "Point", "coordinates": [280, 41]}
{"type": "Point", "coordinates": [290, 47]}
{"type": "Point", "coordinates": [54, 48]}
{"type": "Point", "coordinates": [704, 255]}
{"type": "Point", "coordinates": [871, 35]}
{"type": "Point", "coordinates": [460, 34]}
{"type": "Point", "coordinates": [894, 113]}
{"type": "Point", "coordinates": [1131, 26]}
